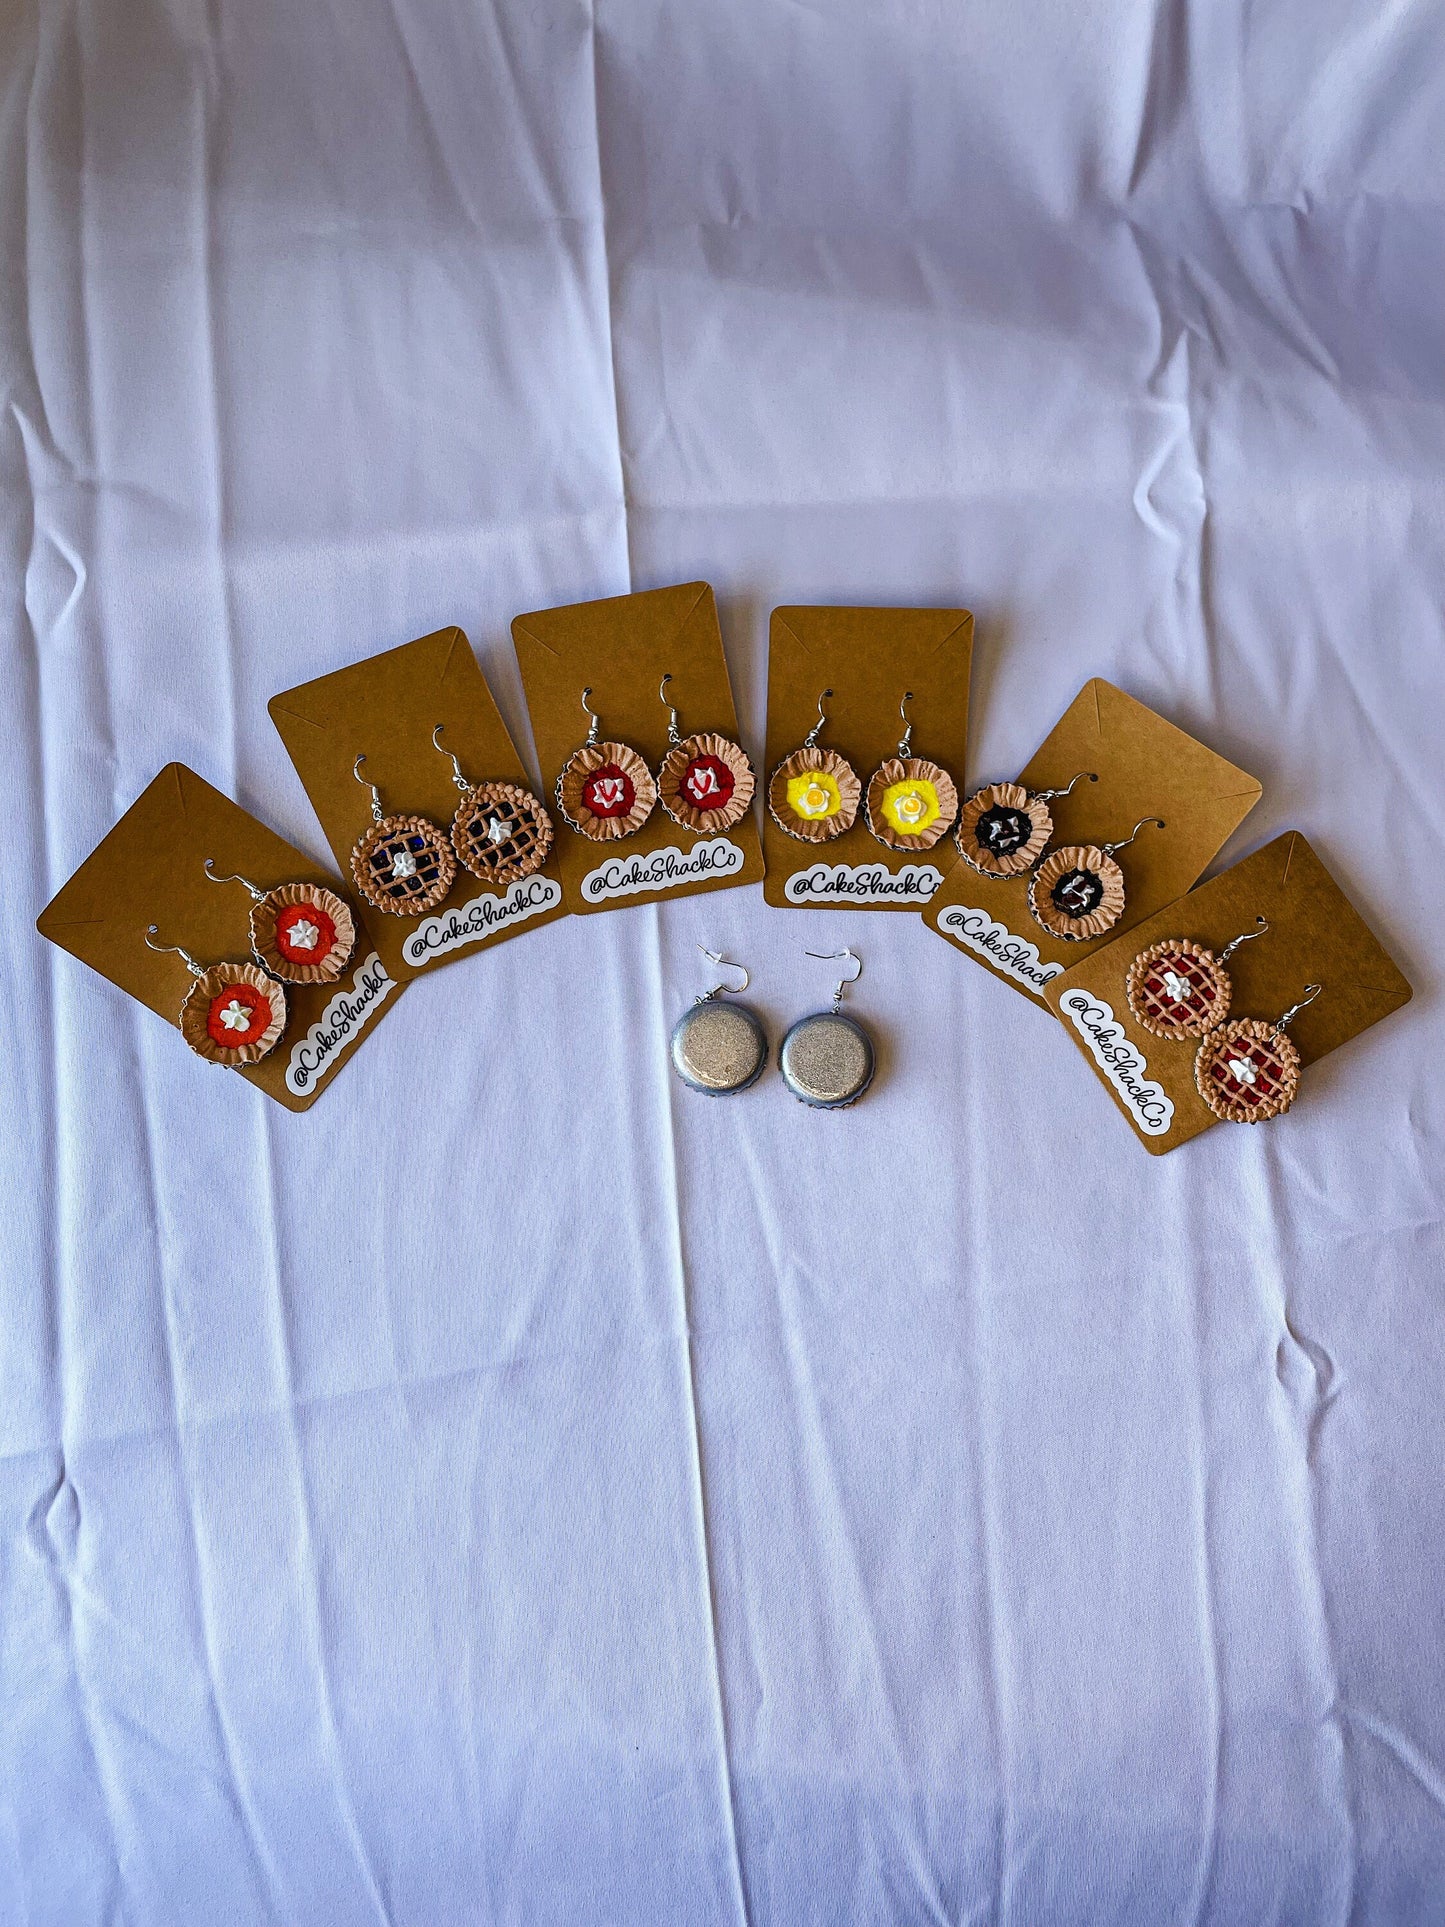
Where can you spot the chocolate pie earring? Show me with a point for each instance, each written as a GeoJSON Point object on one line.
{"type": "Point", "coordinates": [1077, 892]}
{"type": "Point", "coordinates": [402, 864]}
{"type": "Point", "coordinates": [911, 802]}
{"type": "Point", "coordinates": [1178, 989]}
{"type": "Point", "coordinates": [705, 782]}
{"type": "Point", "coordinates": [1003, 829]}
{"type": "Point", "coordinates": [303, 933]}
{"type": "Point", "coordinates": [813, 794]}
{"type": "Point", "coordinates": [605, 789]}
{"type": "Point", "coordinates": [500, 831]}
{"type": "Point", "coordinates": [826, 1059]}
{"type": "Point", "coordinates": [233, 1013]}
{"type": "Point", "coordinates": [719, 1048]}
{"type": "Point", "coordinates": [1248, 1070]}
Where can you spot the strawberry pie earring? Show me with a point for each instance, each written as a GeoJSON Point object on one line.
{"type": "Point", "coordinates": [1247, 1071]}
{"type": "Point", "coordinates": [813, 794]}
{"type": "Point", "coordinates": [233, 1013]}
{"type": "Point", "coordinates": [605, 790]}
{"type": "Point", "coordinates": [500, 831]}
{"type": "Point", "coordinates": [402, 864]}
{"type": "Point", "coordinates": [1077, 892]}
{"type": "Point", "coordinates": [1178, 989]}
{"type": "Point", "coordinates": [302, 933]}
{"type": "Point", "coordinates": [1004, 829]}
{"type": "Point", "coordinates": [719, 1048]}
{"type": "Point", "coordinates": [827, 1059]}
{"type": "Point", "coordinates": [911, 802]}
{"type": "Point", "coordinates": [705, 782]}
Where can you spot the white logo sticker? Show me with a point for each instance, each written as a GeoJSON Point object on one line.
{"type": "Point", "coordinates": [1151, 1108]}
{"type": "Point", "coordinates": [630, 876]}
{"type": "Point", "coordinates": [345, 1017]}
{"type": "Point", "coordinates": [1016, 957]}
{"type": "Point", "coordinates": [484, 916]}
{"type": "Point", "coordinates": [863, 883]}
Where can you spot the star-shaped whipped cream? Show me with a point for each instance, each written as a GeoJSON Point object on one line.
{"type": "Point", "coordinates": [498, 829]}
{"type": "Point", "coordinates": [1177, 986]}
{"type": "Point", "coordinates": [403, 864]}
{"type": "Point", "coordinates": [304, 935]}
{"type": "Point", "coordinates": [1242, 1070]}
{"type": "Point", "coordinates": [236, 1015]}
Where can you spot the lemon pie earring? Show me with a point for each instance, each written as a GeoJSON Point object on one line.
{"type": "Point", "coordinates": [814, 793]}
{"type": "Point", "coordinates": [911, 802]}
{"type": "Point", "coordinates": [500, 831]}
{"type": "Point", "coordinates": [1077, 892]}
{"type": "Point", "coordinates": [605, 790]}
{"type": "Point", "coordinates": [705, 782]}
{"type": "Point", "coordinates": [827, 1059]}
{"type": "Point", "coordinates": [233, 1013]}
{"type": "Point", "coordinates": [719, 1048]}
{"type": "Point", "coordinates": [402, 864]}
{"type": "Point", "coordinates": [1247, 1071]}
{"type": "Point", "coordinates": [1178, 989]}
{"type": "Point", "coordinates": [1004, 828]}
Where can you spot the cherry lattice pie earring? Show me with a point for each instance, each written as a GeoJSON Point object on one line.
{"type": "Point", "coordinates": [911, 802]}
{"type": "Point", "coordinates": [302, 933]}
{"type": "Point", "coordinates": [705, 782]}
{"type": "Point", "coordinates": [719, 1048]}
{"type": "Point", "coordinates": [1248, 1070]}
{"type": "Point", "coordinates": [827, 1059]}
{"type": "Point", "coordinates": [402, 864]}
{"type": "Point", "coordinates": [1178, 989]}
{"type": "Point", "coordinates": [233, 1013]}
{"type": "Point", "coordinates": [500, 831]}
{"type": "Point", "coordinates": [605, 790]}
{"type": "Point", "coordinates": [814, 793]}
{"type": "Point", "coordinates": [1077, 892]}
{"type": "Point", "coordinates": [1004, 829]}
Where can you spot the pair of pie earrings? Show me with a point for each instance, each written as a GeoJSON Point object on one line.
{"type": "Point", "coordinates": [1247, 1070]}
{"type": "Point", "coordinates": [234, 1013]}
{"type": "Point", "coordinates": [826, 1059]}
{"type": "Point", "coordinates": [405, 865]}
{"type": "Point", "coordinates": [814, 793]}
{"type": "Point", "coordinates": [606, 791]}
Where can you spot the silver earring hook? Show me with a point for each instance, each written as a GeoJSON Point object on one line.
{"type": "Point", "coordinates": [810, 740]}
{"type": "Point", "coordinates": [461, 782]}
{"type": "Point", "coordinates": [1311, 992]}
{"type": "Point", "coordinates": [907, 737]}
{"type": "Point", "coordinates": [1045, 796]}
{"type": "Point", "coordinates": [1112, 849]}
{"type": "Point", "coordinates": [1247, 937]}
{"type": "Point", "coordinates": [258, 896]}
{"type": "Point", "coordinates": [674, 735]}
{"type": "Point", "coordinates": [724, 963]}
{"type": "Point", "coordinates": [595, 725]}
{"type": "Point", "coordinates": [832, 956]}
{"type": "Point", "coordinates": [377, 812]}
{"type": "Point", "coordinates": [190, 962]}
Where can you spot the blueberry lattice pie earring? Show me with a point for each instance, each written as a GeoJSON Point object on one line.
{"type": "Point", "coordinates": [302, 933]}
{"type": "Point", "coordinates": [719, 1048]}
{"type": "Point", "coordinates": [605, 790]}
{"type": "Point", "coordinates": [1179, 989]}
{"type": "Point", "coordinates": [705, 782]}
{"type": "Point", "coordinates": [500, 831]}
{"type": "Point", "coordinates": [911, 802]}
{"type": "Point", "coordinates": [1248, 1070]}
{"type": "Point", "coordinates": [402, 864]}
{"type": "Point", "coordinates": [1077, 892]}
{"type": "Point", "coordinates": [233, 1013]}
{"type": "Point", "coordinates": [827, 1059]}
{"type": "Point", "coordinates": [814, 793]}
{"type": "Point", "coordinates": [1004, 829]}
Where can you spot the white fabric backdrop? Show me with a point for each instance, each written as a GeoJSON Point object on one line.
{"type": "Point", "coordinates": [519, 1490]}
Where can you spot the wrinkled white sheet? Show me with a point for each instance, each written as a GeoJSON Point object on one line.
{"type": "Point", "coordinates": [520, 1491]}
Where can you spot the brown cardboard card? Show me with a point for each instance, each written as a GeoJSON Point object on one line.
{"type": "Point", "coordinates": [870, 659]}
{"type": "Point", "coordinates": [1315, 935]}
{"type": "Point", "coordinates": [621, 648]}
{"type": "Point", "coordinates": [1145, 768]}
{"type": "Point", "coordinates": [386, 708]}
{"type": "Point", "coordinates": [150, 869]}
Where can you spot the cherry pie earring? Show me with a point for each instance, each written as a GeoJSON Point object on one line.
{"type": "Point", "coordinates": [814, 793]}
{"type": "Point", "coordinates": [1248, 1070]}
{"type": "Point", "coordinates": [500, 831]}
{"type": "Point", "coordinates": [402, 864]}
{"type": "Point", "coordinates": [719, 1048]}
{"type": "Point", "coordinates": [233, 1013]}
{"type": "Point", "coordinates": [302, 933]}
{"type": "Point", "coordinates": [705, 782]}
{"type": "Point", "coordinates": [1077, 892]}
{"type": "Point", "coordinates": [1003, 830]}
{"type": "Point", "coordinates": [827, 1059]}
{"type": "Point", "coordinates": [1178, 989]}
{"type": "Point", "coordinates": [911, 802]}
{"type": "Point", "coordinates": [605, 790]}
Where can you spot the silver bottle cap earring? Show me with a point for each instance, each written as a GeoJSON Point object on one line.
{"type": "Point", "coordinates": [719, 1048]}
{"type": "Point", "coordinates": [826, 1059]}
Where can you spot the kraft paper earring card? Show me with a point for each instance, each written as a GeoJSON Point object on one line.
{"type": "Point", "coordinates": [424, 801]}
{"type": "Point", "coordinates": [185, 900]}
{"type": "Point", "coordinates": [1116, 814]}
{"type": "Point", "coordinates": [637, 735]}
{"type": "Point", "coordinates": [1304, 974]}
{"type": "Point", "coordinates": [867, 726]}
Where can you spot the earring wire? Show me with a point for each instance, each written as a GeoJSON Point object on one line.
{"type": "Point", "coordinates": [1311, 992]}
{"type": "Point", "coordinates": [190, 962]}
{"type": "Point", "coordinates": [724, 963]}
{"type": "Point", "coordinates": [832, 956]}
{"type": "Point", "coordinates": [377, 814]}
{"type": "Point", "coordinates": [257, 895]}
{"type": "Point", "coordinates": [594, 727]}
{"type": "Point", "coordinates": [907, 737]}
{"type": "Point", "coordinates": [811, 739]}
{"type": "Point", "coordinates": [1247, 937]}
{"type": "Point", "coordinates": [1113, 849]}
{"type": "Point", "coordinates": [461, 782]}
{"type": "Point", "coordinates": [674, 735]}
{"type": "Point", "coordinates": [1045, 796]}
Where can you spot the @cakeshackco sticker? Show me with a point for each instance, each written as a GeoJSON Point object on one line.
{"type": "Point", "coordinates": [344, 1018]}
{"type": "Point", "coordinates": [630, 876]}
{"type": "Point", "coordinates": [1014, 957]}
{"type": "Point", "coordinates": [1151, 1107]}
{"type": "Point", "coordinates": [484, 916]}
{"type": "Point", "coordinates": [914, 883]}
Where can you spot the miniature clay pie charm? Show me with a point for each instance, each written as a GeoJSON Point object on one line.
{"type": "Point", "coordinates": [606, 791]}
{"type": "Point", "coordinates": [233, 1014]}
{"type": "Point", "coordinates": [303, 933]}
{"type": "Point", "coordinates": [911, 803]}
{"type": "Point", "coordinates": [1003, 830]}
{"type": "Point", "coordinates": [1077, 892]}
{"type": "Point", "coordinates": [814, 795]}
{"type": "Point", "coordinates": [501, 832]}
{"type": "Point", "coordinates": [1178, 989]}
{"type": "Point", "coordinates": [706, 783]}
{"type": "Point", "coordinates": [1247, 1071]}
